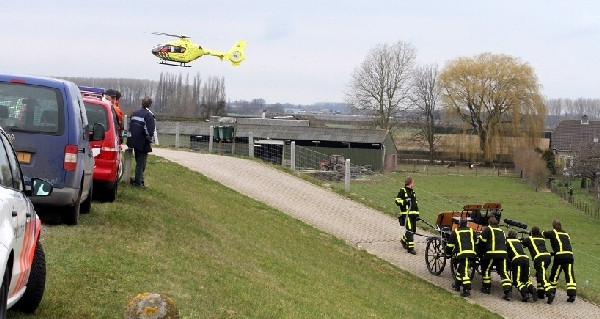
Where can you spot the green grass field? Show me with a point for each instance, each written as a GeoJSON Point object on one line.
{"type": "Point", "coordinates": [220, 254]}
{"type": "Point", "coordinates": [441, 189]}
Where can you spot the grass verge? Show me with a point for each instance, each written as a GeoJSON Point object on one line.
{"type": "Point", "coordinates": [220, 254]}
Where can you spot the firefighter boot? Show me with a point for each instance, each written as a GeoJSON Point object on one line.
{"type": "Point", "coordinates": [507, 295]}
{"type": "Point", "coordinates": [550, 296]}
{"type": "Point", "coordinates": [541, 294]}
{"type": "Point", "coordinates": [524, 296]}
{"type": "Point", "coordinates": [532, 292]}
{"type": "Point", "coordinates": [466, 293]}
{"type": "Point", "coordinates": [456, 285]}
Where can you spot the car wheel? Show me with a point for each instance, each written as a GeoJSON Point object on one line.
{"type": "Point", "coordinates": [71, 214]}
{"type": "Point", "coordinates": [120, 171]}
{"type": "Point", "coordinates": [111, 194]}
{"type": "Point", "coordinates": [4, 292]}
{"type": "Point", "coordinates": [86, 206]}
{"type": "Point", "coordinates": [36, 283]}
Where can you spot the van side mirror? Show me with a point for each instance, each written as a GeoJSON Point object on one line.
{"type": "Point", "coordinates": [40, 187]}
{"type": "Point", "coordinates": [97, 132]}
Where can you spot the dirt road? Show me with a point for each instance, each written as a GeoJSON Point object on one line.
{"type": "Point", "coordinates": [359, 226]}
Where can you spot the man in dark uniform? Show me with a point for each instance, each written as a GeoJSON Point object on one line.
{"type": "Point", "coordinates": [462, 244]}
{"type": "Point", "coordinates": [563, 260]}
{"type": "Point", "coordinates": [141, 127]}
{"type": "Point", "coordinates": [519, 265]}
{"type": "Point", "coordinates": [493, 242]}
{"type": "Point", "coordinates": [541, 260]}
{"type": "Point", "coordinates": [409, 213]}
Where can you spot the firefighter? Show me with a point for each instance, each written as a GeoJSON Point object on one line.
{"type": "Point", "coordinates": [563, 260]}
{"type": "Point", "coordinates": [461, 245]}
{"type": "Point", "coordinates": [541, 260]}
{"type": "Point", "coordinates": [519, 265]}
{"type": "Point", "coordinates": [493, 246]}
{"type": "Point", "coordinates": [409, 213]}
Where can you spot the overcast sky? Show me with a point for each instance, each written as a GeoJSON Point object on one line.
{"type": "Point", "coordinates": [301, 52]}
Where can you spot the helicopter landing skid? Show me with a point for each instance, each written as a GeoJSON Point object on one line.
{"type": "Point", "coordinates": [171, 64]}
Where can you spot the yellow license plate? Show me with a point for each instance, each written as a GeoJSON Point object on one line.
{"type": "Point", "coordinates": [23, 157]}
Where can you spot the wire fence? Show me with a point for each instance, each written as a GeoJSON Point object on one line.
{"type": "Point", "coordinates": [318, 164]}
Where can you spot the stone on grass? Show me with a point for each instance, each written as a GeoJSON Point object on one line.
{"type": "Point", "coordinates": [151, 306]}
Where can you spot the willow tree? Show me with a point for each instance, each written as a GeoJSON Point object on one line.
{"type": "Point", "coordinates": [382, 83]}
{"type": "Point", "coordinates": [497, 98]}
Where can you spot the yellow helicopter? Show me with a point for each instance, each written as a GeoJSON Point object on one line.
{"type": "Point", "coordinates": [184, 51]}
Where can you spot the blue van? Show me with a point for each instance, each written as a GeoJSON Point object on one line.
{"type": "Point", "coordinates": [46, 121]}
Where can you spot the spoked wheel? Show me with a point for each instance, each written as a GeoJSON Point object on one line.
{"type": "Point", "coordinates": [435, 256]}
{"type": "Point", "coordinates": [473, 266]}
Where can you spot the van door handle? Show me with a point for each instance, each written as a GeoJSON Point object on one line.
{"type": "Point", "coordinates": [14, 213]}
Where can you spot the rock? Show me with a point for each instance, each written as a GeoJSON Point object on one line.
{"type": "Point", "coordinates": [151, 306]}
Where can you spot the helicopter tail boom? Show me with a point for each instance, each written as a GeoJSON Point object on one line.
{"type": "Point", "coordinates": [235, 55]}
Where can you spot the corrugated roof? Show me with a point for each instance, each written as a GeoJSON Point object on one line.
{"type": "Point", "coordinates": [569, 133]}
{"type": "Point", "coordinates": [294, 133]}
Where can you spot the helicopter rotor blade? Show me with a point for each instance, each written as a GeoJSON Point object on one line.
{"type": "Point", "coordinates": [171, 35]}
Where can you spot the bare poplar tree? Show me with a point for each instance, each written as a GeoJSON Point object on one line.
{"type": "Point", "coordinates": [213, 98]}
{"type": "Point", "coordinates": [425, 99]}
{"type": "Point", "coordinates": [381, 84]}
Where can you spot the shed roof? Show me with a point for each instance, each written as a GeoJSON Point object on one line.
{"type": "Point", "coordinates": [294, 133]}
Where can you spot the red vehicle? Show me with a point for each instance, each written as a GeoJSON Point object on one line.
{"type": "Point", "coordinates": [108, 168]}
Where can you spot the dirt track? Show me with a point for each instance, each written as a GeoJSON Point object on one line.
{"type": "Point", "coordinates": [359, 226]}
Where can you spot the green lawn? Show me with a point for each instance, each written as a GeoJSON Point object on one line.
{"type": "Point", "coordinates": [220, 254]}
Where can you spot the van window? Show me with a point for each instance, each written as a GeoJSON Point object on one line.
{"type": "Point", "coordinates": [32, 108]}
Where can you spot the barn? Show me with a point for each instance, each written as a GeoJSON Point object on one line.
{"type": "Point", "coordinates": [272, 141]}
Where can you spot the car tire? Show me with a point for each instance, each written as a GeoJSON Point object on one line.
{"type": "Point", "coordinates": [71, 214]}
{"type": "Point", "coordinates": [86, 206]}
{"type": "Point", "coordinates": [120, 171]}
{"type": "Point", "coordinates": [111, 193]}
{"type": "Point", "coordinates": [36, 283]}
{"type": "Point", "coordinates": [4, 292]}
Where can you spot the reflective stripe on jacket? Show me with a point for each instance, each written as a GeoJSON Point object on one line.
{"type": "Point", "coordinates": [515, 249]}
{"type": "Point", "coordinates": [560, 242]}
{"type": "Point", "coordinates": [462, 243]}
{"type": "Point", "coordinates": [407, 201]}
{"type": "Point", "coordinates": [494, 241]}
{"type": "Point", "coordinates": [536, 246]}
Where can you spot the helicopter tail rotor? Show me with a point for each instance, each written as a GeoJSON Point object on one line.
{"type": "Point", "coordinates": [236, 54]}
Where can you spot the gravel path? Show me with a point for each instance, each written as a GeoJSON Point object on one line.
{"type": "Point", "coordinates": [359, 226]}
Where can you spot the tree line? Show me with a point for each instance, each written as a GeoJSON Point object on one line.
{"type": "Point", "coordinates": [574, 107]}
{"type": "Point", "coordinates": [173, 95]}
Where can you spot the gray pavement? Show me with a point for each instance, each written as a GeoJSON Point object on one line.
{"type": "Point", "coordinates": [359, 226]}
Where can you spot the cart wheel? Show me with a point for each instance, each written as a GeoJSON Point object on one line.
{"type": "Point", "coordinates": [435, 256]}
{"type": "Point", "coordinates": [473, 266]}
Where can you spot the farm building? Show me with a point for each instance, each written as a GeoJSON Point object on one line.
{"type": "Point", "coordinates": [569, 133]}
{"type": "Point", "coordinates": [272, 140]}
